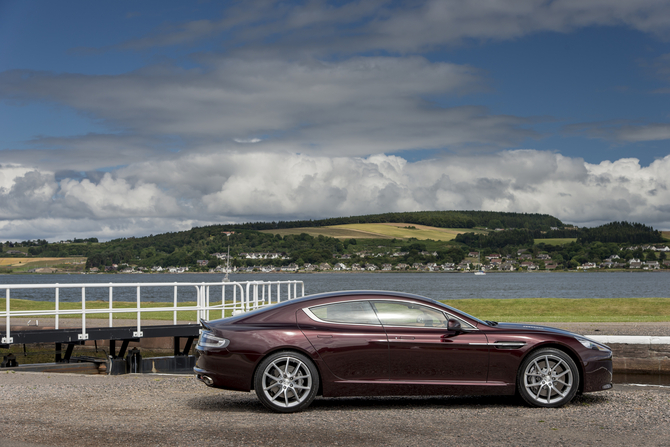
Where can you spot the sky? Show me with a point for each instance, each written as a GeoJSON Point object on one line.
{"type": "Point", "coordinates": [125, 118]}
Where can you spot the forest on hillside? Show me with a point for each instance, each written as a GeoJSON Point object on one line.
{"type": "Point", "coordinates": [440, 219]}
{"type": "Point", "coordinates": [621, 232]}
{"type": "Point", "coordinates": [616, 232]}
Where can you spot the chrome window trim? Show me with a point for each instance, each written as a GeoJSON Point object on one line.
{"type": "Point", "coordinates": [469, 328]}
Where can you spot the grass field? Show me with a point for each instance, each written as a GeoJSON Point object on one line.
{"type": "Point", "coordinates": [556, 241]}
{"type": "Point", "coordinates": [568, 310]}
{"type": "Point", "coordinates": [19, 265]}
{"type": "Point", "coordinates": [379, 231]}
{"type": "Point", "coordinates": [39, 262]}
{"type": "Point", "coordinates": [666, 234]}
{"type": "Point", "coordinates": [512, 310]}
{"type": "Point", "coordinates": [12, 261]}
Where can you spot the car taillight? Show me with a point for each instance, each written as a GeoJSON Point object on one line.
{"type": "Point", "coordinates": [209, 340]}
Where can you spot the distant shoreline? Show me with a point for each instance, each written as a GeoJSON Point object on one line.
{"type": "Point", "coordinates": [343, 272]}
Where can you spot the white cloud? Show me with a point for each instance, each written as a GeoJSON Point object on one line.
{"type": "Point", "coordinates": [249, 140]}
{"type": "Point", "coordinates": [35, 194]}
{"type": "Point", "coordinates": [26, 192]}
{"type": "Point", "coordinates": [88, 152]}
{"type": "Point", "coordinates": [318, 26]}
{"type": "Point", "coordinates": [623, 131]}
{"type": "Point", "coordinates": [437, 22]}
{"type": "Point", "coordinates": [9, 174]}
{"type": "Point", "coordinates": [116, 198]}
{"type": "Point", "coordinates": [201, 189]}
{"type": "Point", "coordinates": [649, 132]}
{"type": "Point", "coordinates": [359, 106]}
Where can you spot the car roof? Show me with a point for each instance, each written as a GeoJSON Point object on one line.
{"type": "Point", "coordinates": [367, 294]}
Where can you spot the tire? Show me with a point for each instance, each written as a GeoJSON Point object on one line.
{"type": "Point", "coordinates": [548, 378]}
{"type": "Point", "coordinates": [286, 382]}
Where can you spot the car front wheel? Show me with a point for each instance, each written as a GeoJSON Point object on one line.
{"type": "Point", "coordinates": [548, 378]}
{"type": "Point", "coordinates": [286, 382]}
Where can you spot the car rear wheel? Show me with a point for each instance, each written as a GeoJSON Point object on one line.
{"type": "Point", "coordinates": [286, 382]}
{"type": "Point", "coordinates": [548, 378]}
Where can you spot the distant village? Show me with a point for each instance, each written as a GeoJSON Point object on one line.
{"type": "Point", "coordinates": [524, 260]}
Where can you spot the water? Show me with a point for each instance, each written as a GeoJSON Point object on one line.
{"type": "Point", "coordinates": [440, 286]}
{"type": "Point", "coordinates": [148, 293]}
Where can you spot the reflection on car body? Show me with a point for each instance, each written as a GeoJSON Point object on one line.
{"type": "Point", "coordinates": [368, 343]}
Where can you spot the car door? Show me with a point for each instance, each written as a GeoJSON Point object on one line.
{"type": "Point", "coordinates": [349, 339]}
{"type": "Point", "coordinates": [421, 348]}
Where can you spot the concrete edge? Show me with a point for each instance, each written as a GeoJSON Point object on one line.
{"type": "Point", "coordinates": [631, 339]}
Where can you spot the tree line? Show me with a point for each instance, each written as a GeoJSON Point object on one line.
{"type": "Point", "coordinates": [440, 219]}
{"type": "Point", "coordinates": [621, 232]}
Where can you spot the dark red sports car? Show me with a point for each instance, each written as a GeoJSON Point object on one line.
{"type": "Point", "coordinates": [388, 343]}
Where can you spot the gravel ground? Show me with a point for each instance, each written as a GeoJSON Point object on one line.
{"type": "Point", "coordinates": [71, 410]}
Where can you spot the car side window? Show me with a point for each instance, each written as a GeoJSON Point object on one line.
{"type": "Point", "coordinates": [399, 313]}
{"type": "Point", "coordinates": [350, 312]}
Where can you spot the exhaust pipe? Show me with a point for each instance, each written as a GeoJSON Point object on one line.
{"type": "Point", "coordinates": [206, 380]}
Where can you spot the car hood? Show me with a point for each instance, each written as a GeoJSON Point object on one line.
{"type": "Point", "coordinates": [536, 328]}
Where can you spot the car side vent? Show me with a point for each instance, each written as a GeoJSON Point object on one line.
{"type": "Point", "coordinates": [509, 344]}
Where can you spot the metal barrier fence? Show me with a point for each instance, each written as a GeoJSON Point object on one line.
{"type": "Point", "coordinates": [246, 296]}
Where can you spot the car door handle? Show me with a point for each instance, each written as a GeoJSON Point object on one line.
{"type": "Point", "coordinates": [324, 336]}
{"type": "Point", "coordinates": [404, 338]}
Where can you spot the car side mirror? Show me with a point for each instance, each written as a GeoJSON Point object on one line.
{"type": "Point", "coordinates": [454, 325]}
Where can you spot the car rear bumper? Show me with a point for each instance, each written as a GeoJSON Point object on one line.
{"type": "Point", "coordinates": [228, 371]}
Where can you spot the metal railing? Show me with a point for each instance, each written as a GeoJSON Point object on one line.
{"type": "Point", "coordinates": [246, 296]}
{"type": "Point", "coordinates": [259, 293]}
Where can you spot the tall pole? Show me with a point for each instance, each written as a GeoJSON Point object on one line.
{"type": "Point", "coordinates": [225, 278]}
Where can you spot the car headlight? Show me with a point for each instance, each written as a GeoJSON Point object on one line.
{"type": "Point", "coordinates": [208, 340]}
{"type": "Point", "coordinates": [590, 344]}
